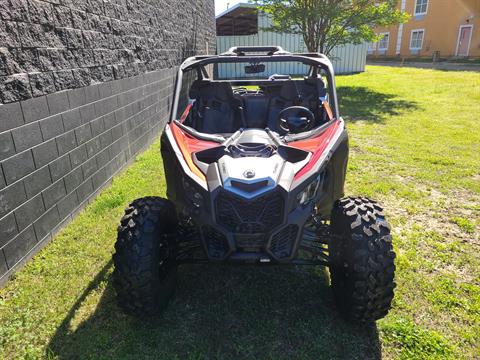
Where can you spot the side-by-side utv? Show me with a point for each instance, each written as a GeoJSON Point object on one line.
{"type": "Point", "coordinates": [255, 155]}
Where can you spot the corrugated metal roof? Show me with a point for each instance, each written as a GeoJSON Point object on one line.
{"type": "Point", "coordinates": [234, 8]}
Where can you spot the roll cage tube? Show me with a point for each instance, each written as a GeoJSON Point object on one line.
{"type": "Point", "coordinates": [199, 63]}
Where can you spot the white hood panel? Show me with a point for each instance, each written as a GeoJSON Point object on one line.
{"type": "Point", "coordinates": [250, 170]}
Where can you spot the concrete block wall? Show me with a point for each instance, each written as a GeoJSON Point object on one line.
{"type": "Point", "coordinates": [84, 86]}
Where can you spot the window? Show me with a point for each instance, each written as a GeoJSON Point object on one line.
{"type": "Point", "coordinates": [188, 78]}
{"type": "Point", "coordinates": [416, 39]}
{"type": "Point", "coordinates": [420, 7]}
{"type": "Point", "coordinates": [383, 42]}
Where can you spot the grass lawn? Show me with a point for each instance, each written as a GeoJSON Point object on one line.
{"type": "Point", "coordinates": [415, 146]}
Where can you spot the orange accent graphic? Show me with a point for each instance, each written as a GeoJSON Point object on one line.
{"type": "Point", "coordinates": [316, 146]}
{"type": "Point", "coordinates": [189, 145]}
{"type": "Point", "coordinates": [185, 113]}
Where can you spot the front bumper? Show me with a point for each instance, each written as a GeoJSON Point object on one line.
{"type": "Point", "coordinates": [267, 228]}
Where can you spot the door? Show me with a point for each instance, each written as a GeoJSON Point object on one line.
{"type": "Point", "coordinates": [464, 37]}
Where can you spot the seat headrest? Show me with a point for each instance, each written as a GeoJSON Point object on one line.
{"type": "Point", "coordinates": [195, 88]}
{"type": "Point", "coordinates": [208, 89]}
{"type": "Point", "coordinates": [292, 90]}
{"type": "Point", "coordinates": [318, 83]}
{"type": "Point", "coordinates": [289, 90]}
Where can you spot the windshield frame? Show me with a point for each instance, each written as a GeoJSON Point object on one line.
{"type": "Point", "coordinates": [198, 63]}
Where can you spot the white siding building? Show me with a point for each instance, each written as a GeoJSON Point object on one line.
{"type": "Point", "coordinates": [242, 25]}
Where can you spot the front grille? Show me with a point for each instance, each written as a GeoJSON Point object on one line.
{"type": "Point", "coordinates": [216, 242]}
{"type": "Point", "coordinates": [283, 241]}
{"type": "Point", "coordinates": [249, 242]}
{"type": "Point", "coordinates": [257, 215]}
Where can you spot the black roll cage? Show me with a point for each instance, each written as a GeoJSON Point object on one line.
{"type": "Point", "coordinates": [238, 54]}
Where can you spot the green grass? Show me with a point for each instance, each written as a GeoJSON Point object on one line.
{"type": "Point", "coordinates": [415, 146]}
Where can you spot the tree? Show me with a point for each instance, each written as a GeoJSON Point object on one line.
{"type": "Point", "coordinates": [325, 24]}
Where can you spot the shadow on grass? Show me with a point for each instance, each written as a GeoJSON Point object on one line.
{"type": "Point", "coordinates": [361, 103]}
{"type": "Point", "coordinates": [220, 312]}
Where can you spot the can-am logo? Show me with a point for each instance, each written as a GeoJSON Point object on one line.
{"type": "Point", "coordinates": [249, 174]}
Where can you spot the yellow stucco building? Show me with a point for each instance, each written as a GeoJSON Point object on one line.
{"type": "Point", "coordinates": [437, 28]}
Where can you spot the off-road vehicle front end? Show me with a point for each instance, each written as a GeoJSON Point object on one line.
{"type": "Point", "coordinates": [255, 156]}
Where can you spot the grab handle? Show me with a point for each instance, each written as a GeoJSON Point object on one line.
{"type": "Point", "coordinates": [241, 50]}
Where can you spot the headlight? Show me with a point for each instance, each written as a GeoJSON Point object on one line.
{"type": "Point", "coordinates": [309, 192]}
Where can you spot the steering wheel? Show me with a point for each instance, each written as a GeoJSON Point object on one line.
{"type": "Point", "coordinates": [240, 91]}
{"type": "Point", "coordinates": [296, 119]}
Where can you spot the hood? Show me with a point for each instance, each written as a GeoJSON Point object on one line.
{"type": "Point", "coordinates": [251, 164]}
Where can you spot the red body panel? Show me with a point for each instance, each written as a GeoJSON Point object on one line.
{"type": "Point", "coordinates": [316, 146]}
{"type": "Point", "coordinates": [189, 145]}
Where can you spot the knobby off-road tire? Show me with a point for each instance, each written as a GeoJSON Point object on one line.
{"type": "Point", "coordinates": [145, 270]}
{"type": "Point", "coordinates": [362, 260]}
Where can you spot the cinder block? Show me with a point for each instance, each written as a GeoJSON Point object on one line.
{"type": "Point", "coordinates": [105, 106]}
{"type": "Point", "coordinates": [18, 166]}
{"type": "Point", "coordinates": [53, 193]}
{"type": "Point", "coordinates": [11, 116]}
{"type": "Point", "coordinates": [116, 86]}
{"type": "Point", "coordinates": [35, 109]}
{"type": "Point", "coordinates": [89, 167]}
{"type": "Point", "coordinates": [67, 205]}
{"type": "Point", "coordinates": [66, 142]}
{"type": "Point", "coordinates": [83, 134]}
{"type": "Point", "coordinates": [37, 181]}
{"type": "Point", "coordinates": [51, 127]}
{"type": "Point", "coordinates": [58, 102]}
{"type": "Point", "coordinates": [105, 139]}
{"type": "Point", "coordinates": [3, 264]}
{"type": "Point", "coordinates": [97, 126]}
{"type": "Point", "coordinates": [91, 93]}
{"type": "Point", "coordinates": [46, 223]}
{"type": "Point", "coordinates": [77, 97]}
{"type": "Point", "coordinates": [8, 229]}
{"type": "Point", "coordinates": [11, 197]}
{"type": "Point", "coordinates": [117, 132]}
{"type": "Point", "coordinates": [99, 178]}
{"type": "Point", "coordinates": [29, 212]}
{"type": "Point", "coordinates": [71, 119]}
{"type": "Point", "coordinates": [2, 178]}
{"type": "Point", "coordinates": [6, 145]}
{"type": "Point", "coordinates": [18, 247]}
{"type": "Point", "coordinates": [85, 190]}
{"type": "Point", "coordinates": [105, 89]}
{"type": "Point", "coordinates": [93, 147]}
{"type": "Point", "coordinates": [87, 113]}
{"type": "Point", "coordinates": [103, 158]}
{"type": "Point", "coordinates": [27, 136]}
{"type": "Point", "coordinates": [73, 179]}
{"type": "Point", "coordinates": [110, 120]}
{"type": "Point", "coordinates": [116, 147]}
{"type": "Point", "coordinates": [45, 153]}
{"type": "Point", "coordinates": [78, 156]}
{"type": "Point", "coordinates": [59, 167]}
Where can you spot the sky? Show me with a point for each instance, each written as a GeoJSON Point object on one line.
{"type": "Point", "coordinates": [221, 5]}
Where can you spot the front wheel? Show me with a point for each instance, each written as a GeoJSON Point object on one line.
{"type": "Point", "coordinates": [362, 259]}
{"type": "Point", "coordinates": [145, 269]}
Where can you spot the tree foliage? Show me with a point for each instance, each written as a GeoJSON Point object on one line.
{"type": "Point", "coordinates": [325, 24]}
